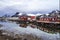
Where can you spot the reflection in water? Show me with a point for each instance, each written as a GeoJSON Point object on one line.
{"type": "Point", "coordinates": [15, 29]}
{"type": "Point", "coordinates": [45, 29]}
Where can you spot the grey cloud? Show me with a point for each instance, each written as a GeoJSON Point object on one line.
{"type": "Point", "coordinates": [29, 5]}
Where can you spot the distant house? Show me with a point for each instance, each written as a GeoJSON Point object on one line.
{"type": "Point", "coordinates": [31, 17]}
{"type": "Point", "coordinates": [54, 16]}
{"type": "Point", "coordinates": [27, 17]}
{"type": "Point", "coordinates": [23, 17]}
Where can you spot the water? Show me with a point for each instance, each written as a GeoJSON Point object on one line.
{"type": "Point", "coordinates": [12, 28]}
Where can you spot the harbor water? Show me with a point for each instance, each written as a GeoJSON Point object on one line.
{"type": "Point", "coordinates": [12, 28]}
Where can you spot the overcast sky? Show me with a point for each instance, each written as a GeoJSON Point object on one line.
{"type": "Point", "coordinates": [30, 5]}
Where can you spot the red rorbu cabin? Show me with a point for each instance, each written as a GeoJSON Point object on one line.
{"type": "Point", "coordinates": [23, 18]}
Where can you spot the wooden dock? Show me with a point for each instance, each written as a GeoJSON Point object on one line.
{"type": "Point", "coordinates": [49, 22]}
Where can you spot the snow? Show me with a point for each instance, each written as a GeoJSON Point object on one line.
{"type": "Point", "coordinates": [38, 14]}
{"type": "Point", "coordinates": [20, 14]}
{"type": "Point", "coordinates": [14, 28]}
{"type": "Point", "coordinates": [31, 14]}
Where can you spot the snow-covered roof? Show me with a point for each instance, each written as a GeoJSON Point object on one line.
{"type": "Point", "coordinates": [28, 14]}
{"type": "Point", "coordinates": [47, 14]}
{"type": "Point", "coordinates": [31, 14]}
{"type": "Point", "coordinates": [38, 14]}
{"type": "Point", "coordinates": [20, 13]}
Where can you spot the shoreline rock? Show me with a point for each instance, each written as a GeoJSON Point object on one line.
{"type": "Point", "coordinates": [19, 37]}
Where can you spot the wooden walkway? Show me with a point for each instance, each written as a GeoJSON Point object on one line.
{"type": "Point", "coordinates": [49, 22]}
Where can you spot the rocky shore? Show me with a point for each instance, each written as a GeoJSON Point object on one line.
{"type": "Point", "coordinates": [18, 37]}
{"type": "Point", "coordinates": [12, 31]}
{"type": "Point", "coordinates": [4, 35]}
